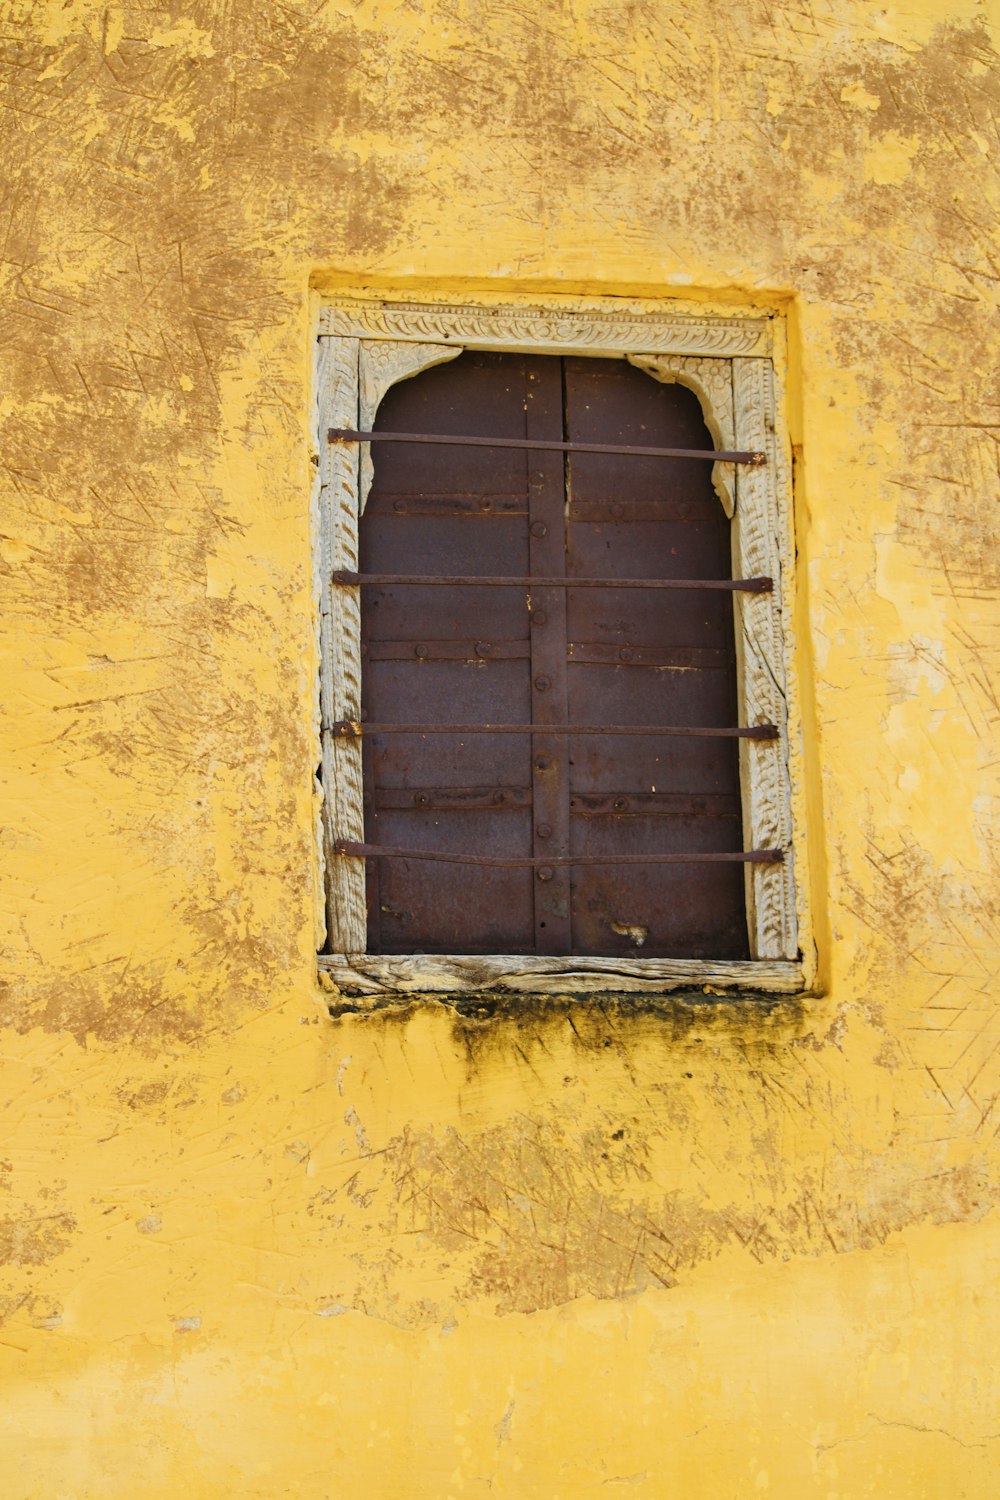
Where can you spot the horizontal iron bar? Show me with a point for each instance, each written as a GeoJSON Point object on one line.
{"type": "Point", "coordinates": [383, 851]}
{"type": "Point", "coordinates": [578, 654]}
{"type": "Point", "coordinates": [351, 435]}
{"type": "Point", "coordinates": [471, 580]}
{"type": "Point", "coordinates": [351, 729]}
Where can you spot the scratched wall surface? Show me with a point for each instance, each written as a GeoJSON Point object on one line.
{"type": "Point", "coordinates": [708, 1250]}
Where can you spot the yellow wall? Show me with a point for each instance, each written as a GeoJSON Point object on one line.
{"type": "Point", "coordinates": [703, 1252]}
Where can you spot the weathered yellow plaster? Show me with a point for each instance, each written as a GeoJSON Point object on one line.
{"type": "Point", "coordinates": [888, 163]}
{"type": "Point", "coordinates": [856, 93]}
{"type": "Point", "coordinates": [706, 1249]}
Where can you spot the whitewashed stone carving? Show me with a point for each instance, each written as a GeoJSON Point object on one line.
{"type": "Point", "coordinates": [385, 363]}
{"type": "Point", "coordinates": [712, 382]}
{"type": "Point", "coordinates": [340, 642]}
{"type": "Point", "coordinates": [545, 332]}
{"type": "Point", "coordinates": [757, 551]}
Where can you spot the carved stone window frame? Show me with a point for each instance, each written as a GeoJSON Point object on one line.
{"type": "Point", "coordinates": [365, 346]}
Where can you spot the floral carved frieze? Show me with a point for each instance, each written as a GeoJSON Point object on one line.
{"type": "Point", "coordinates": [545, 330]}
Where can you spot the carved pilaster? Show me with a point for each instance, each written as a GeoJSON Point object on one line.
{"type": "Point", "coordinates": [766, 788]}
{"type": "Point", "coordinates": [340, 638]}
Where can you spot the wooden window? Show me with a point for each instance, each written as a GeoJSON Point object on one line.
{"type": "Point", "coordinates": [582, 806]}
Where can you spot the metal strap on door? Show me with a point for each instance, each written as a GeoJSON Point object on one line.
{"type": "Point", "coordinates": [382, 851]}
{"type": "Point", "coordinates": [545, 445]}
{"type": "Point", "coordinates": [348, 729]}
{"type": "Point", "coordinates": [474, 580]}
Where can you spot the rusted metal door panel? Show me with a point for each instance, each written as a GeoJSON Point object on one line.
{"type": "Point", "coordinates": [457, 693]}
{"type": "Point", "coordinates": [643, 549]}
{"type": "Point", "coordinates": [456, 511]}
{"type": "Point", "coordinates": [458, 543]}
{"type": "Point", "coordinates": [648, 695]}
{"type": "Point", "coordinates": [635, 616]}
{"type": "Point", "coordinates": [426, 907]}
{"type": "Point", "coordinates": [549, 753]}
{"type": "Point", "coordinates": [695, 911]}
{"type": "Point", "coordinates": [621, 766]}
{"type": "Point", "coordinates": [434, 614]}
{"type": "Point", "coordinates": [545, 655]}
{"type": "Point", "coordinates": [623, 405]}
{"type": "Point", "coordinates": [466, 544]}
{"type": "Point", "coordinates": [477, 395]}
{"type": "Point", "coordinates": [614, 912]}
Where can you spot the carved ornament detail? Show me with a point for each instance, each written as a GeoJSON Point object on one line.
{"type": "Point", "coordinates": [712, 382]}
{"type": "Point", "coordinates": [383, 364]}
{"type": "Point", "coordinates": [545, 331]}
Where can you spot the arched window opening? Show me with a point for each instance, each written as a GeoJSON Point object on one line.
{"type": "Point", "coordinates": [580, 658]}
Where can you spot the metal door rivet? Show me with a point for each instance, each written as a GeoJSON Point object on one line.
{"type": "Point", "coordinates": [543, 683]}
{"type": "Point", "coordinates": [484, 648]}
{"type": "Point", "coordinates": [539, 528]}
{"type": "Point", "coordinates": [399, 505]}
{"type": "Point", "coordinates": [626, 654]}
{"type": "Point", "coordinates": [545, 873]}
{"type": "Point", "coordinates": [543, 763]}
{"type": "Point", "coordinates": [539, 617]}
{"type": "Point", "coordinates": [544, 830]}
{"type": "Point", "coordinates": [420, 650]}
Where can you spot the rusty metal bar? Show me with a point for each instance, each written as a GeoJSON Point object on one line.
{"type": "Point", "coordinates": [351, 728]}
{"type": "Point", "coordinates": [350, 435]}
{"type": "Point", "coordinates": [471, 580]}
{"type": "Point", "coordinates": [382, 851]}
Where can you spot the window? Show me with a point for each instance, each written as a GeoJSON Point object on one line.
{"type": "Point", "coordinates": [531, 740]}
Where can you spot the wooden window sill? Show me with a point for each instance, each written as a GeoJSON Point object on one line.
{"type": "Point", "coordinates": [413, 974]}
